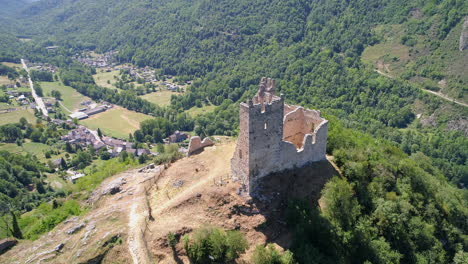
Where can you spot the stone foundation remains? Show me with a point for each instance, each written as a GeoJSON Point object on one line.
{"type": "Point", "coordinates": [274, 136]}
{"type": "Point", "coordinates": [196, 144]}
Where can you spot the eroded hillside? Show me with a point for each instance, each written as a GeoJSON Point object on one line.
{"type": "Point", "coordinates": [132, 213]}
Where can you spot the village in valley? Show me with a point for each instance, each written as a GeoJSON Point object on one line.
{"type": "Point", "coordinates": [86, 123]}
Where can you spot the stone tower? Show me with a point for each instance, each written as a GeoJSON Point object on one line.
{"type": "Point", "coordinates": [274, 136]}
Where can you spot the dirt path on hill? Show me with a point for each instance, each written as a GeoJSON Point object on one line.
{"type": "Point", "coordinates": [443, 96]}
{"type": "Point", "coordinates": [137, 222]}
{"type": "Point", "coordinates": [120, 214]}
{"type": "Point", "coordinates": [439, 94]}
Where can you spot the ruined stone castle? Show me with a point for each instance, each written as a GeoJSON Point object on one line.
{"type": "Point", "coordinates": [275, 136]}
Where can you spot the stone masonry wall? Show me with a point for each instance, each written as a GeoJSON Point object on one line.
{"type": "Point", "coordinates": [197, 144]}
{"type": "Point", "coordinates": [275, 136]}
{"type": "Point", "coordinates": [266, 134]}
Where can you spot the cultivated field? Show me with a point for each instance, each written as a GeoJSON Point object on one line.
{"type": "Point", "coordinates": [161, 98]}
{"type": "Point", "coordinates": [116, 122]}
{"type": "Point", "coordinates": [14, 117]}
{"type": "Point", "coordinates": [71, 99]}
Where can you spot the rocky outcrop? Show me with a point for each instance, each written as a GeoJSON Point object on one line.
{"type": "Point", "coordinates": [75, 229]}
{"type": "Point", "coordinates": [464, 36]}
{"type": "Point", "coordinates": [196, 144]}
{"type": "Point", "coordinates": [6, 244]}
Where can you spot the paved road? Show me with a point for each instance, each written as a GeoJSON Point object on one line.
{"type": "Point", "coordinates": [39, 102]}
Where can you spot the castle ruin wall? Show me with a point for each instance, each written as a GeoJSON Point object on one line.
{"type": "Point", "coordinates": [274, 136]}
{"type": "Point", "coordinates": [196, 144]}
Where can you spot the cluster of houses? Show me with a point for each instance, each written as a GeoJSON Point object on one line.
{"type": "Point", "coordinates": [104, 61]}
{"type": "Point", "coordinates": [90, 109]}
{"type": "Point", "coordinates": [145, 73]}
{"type": "Point", "coordinates": [49, 104]}
{"type": "Point", "coordinates": [176, 137]}
{"type": "Point", "coordinates": [17, 83]}
{"type": "Point", "coordinates": [39, 66]}
{"type": "Point", "coordinates": [171, 87]}
{"type": "Point", "coordinates": [84, 137]}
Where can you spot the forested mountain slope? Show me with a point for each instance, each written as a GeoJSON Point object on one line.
{"type": "Point", "coordinates": [313, 48]}
{"type": "Point", "coordinates": [393, 203]}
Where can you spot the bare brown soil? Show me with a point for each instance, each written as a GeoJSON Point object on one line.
{"type": "Point", "coordinates": [208, 197]}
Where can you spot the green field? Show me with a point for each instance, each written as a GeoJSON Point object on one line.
{"type": "Point", "coordinates": [71, 99]}
{"type": "Point", "coordinates": [102, 77]}
{"type": "Point", "coordinates": [161, 98]}
{"type": "Point", "coordinates": [389, 55]}
{"type": "Point", "coordinates": [194, 111]}
{"type": "Point", "coordinates": [116, 122]}
{"type": "Point", "coordinates": [5, 105]}
{"type": "Point", "coordinates": [13, 65]}
{"type": "Point", "coordinates": [14, 117]}
{"type": "Point", "coordinates": [4, 80]}
{"type": "Point", "coordinates": [34, 148]}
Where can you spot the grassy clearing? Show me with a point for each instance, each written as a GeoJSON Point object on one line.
{"type": "Point", "coordinates": [105, 170]}
{"type": "Point", "coordinates": [116, 122]}
{"type": "Point", "coordinates": [390, 54]}
{"type": "Point", "coordinates": [162, 98]}
{"type": "Point", "coordinates": [29, 147]}
{"type": "Point", "coordinates": [195, 111]}
{"type": "Point", "coordinates": [102, 77]}
{"type": "Point", "coordinates": [13, 65]}
{"type": "Point", "coordinates": [6, 105]}
{"type": "Point", "coordinates": [70, 97]}
{"type": "Point", "coordinates": [14, 117]}
{"type": "Point", "coordinates": [4, 80]}
{"type": "Point", "coordinates": [45, 218]}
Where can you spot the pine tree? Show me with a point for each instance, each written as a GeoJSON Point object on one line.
{"type": "Point", "coordinates": [63, 164]}
{"type": "Point", "coordinates": [68, 148]}
{"type": "Point", "coordinates": [99, 133]}
{"type": "Point", "coordinates": [16, 231]}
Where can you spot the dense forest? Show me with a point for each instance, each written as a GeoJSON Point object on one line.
{"type": "Point", "coordinates": [313, 49]}
{"type": "Point", "coordinates": [401, 151]}
{"type": "Point", "coordinates": [388, 208]}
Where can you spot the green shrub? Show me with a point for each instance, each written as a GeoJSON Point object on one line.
{"type": "Point", "coordinates": [109, 168]}
{"type": "Point", "coordinates": [44, 218]}
{"type": "Point", "coordinates": [214, 245]}
{"type": "Point", "coordinates": [172, 240]}
{"type": "Point", "coordinates": [170, 154]}
{"type": "Point", "coordinates": [269, 255]}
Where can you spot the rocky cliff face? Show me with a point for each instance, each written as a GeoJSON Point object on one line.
{"type": "Point", "coordinates": [464, 36]}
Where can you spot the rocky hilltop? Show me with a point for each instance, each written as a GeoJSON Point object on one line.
{"type": "Point", "coordinates": [464, 36]}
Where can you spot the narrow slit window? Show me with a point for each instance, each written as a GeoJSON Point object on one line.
{"type": "Point", "coordinates": [265, 126]}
